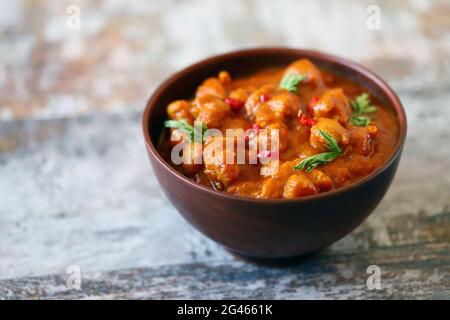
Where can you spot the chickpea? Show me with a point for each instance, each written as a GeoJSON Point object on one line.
{"type": "Point", "coordinates": [332, 127]}
{"type": "Point", "coordinates": [321, 180]}
{"type": "Point", "coordinates": [180, 110]}
{"type": "Point", "coordinates": [298, 185]}
{"type": "Point", "coordinates": [192, 156]}
{"type": "Point", "coordinates": [271, 189]}
{"type": "Point", "coordinates": [239, 94]}
{"type": "Point", "coordinates": [333, 104]}
{"type": "Point", "coordinates": [282, 136]}
{"type": "Point", "coordinates": [304, 66]}
{"type": "Point", "coordinates": [254, 101]}
{"type": "Point", "coordinates": [265, 116]}
{"type": "Point", "coordinates": [216, 166]}
{"type": "Point", "coordinates": [211, 87]}
{"type": "Point", "coordinates": [362, 139]}
{"type": "Point", "coordinates": [285, 105]}
{"type": "Point", "coordinates": [213, 113]}
{"type": "Point", "coordinates": [224, 78]}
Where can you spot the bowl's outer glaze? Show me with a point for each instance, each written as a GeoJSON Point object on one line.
{"type": "Point", "coordinates": [269, 228]}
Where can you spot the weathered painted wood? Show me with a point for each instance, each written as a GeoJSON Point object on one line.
{"type": "Point", "coordinates": [81, 191]}
{"type": "Point", "coordinates": [407, 272]}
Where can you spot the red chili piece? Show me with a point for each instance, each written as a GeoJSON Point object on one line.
{"type": "Point", "coordinates": [312, 103]}
{"type": "Point", "coordinates": [306, 121]}
{"type": "Point", "coordinates": [234, 103]}
{"type": "Point", "coordinates": [264, 98]}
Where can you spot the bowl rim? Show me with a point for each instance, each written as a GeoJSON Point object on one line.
{"type": "Point", "coordinates": [308, 53]}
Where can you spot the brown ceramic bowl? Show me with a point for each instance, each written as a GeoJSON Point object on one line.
{"type": "Point", "coordinates": [269, 228]}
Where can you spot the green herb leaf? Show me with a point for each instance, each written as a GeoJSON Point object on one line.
{"type": "Point", "coordinates": [186, 127]}
{"type": "Point", "coordinates": [314, 161]}
{"type": "Point", "coordinates": [361, 105]}
{"type": "Point", "coordinates": [332, 144]}
{"type": "Point", "coordinates": [291, 81]}
{"type": "Point", "coordinates": [360, 121]}
{"type": "Point", "coordinates": [319, 159]}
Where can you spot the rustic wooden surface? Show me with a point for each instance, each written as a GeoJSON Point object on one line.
{"type": "Point", "coordinates": [76, 187]}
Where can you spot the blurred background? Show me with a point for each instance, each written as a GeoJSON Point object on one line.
{"type": "Point", "coordinates": [75, 184]}
{"type": "Point", "coordinates": [123, 49]}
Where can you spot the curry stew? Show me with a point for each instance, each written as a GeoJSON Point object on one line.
{"type": "Point", "coordinates": [331, 132]}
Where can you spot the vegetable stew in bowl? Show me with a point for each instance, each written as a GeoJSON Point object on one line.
{"type": "Point", "coordinates": [274, 152]}
{"type": "Point", "coordinates": [302, 131]}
